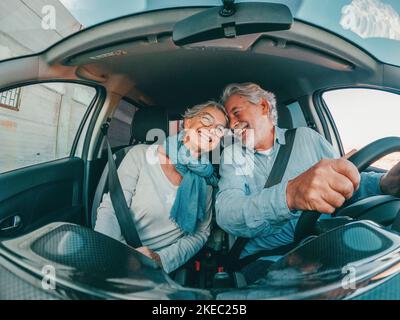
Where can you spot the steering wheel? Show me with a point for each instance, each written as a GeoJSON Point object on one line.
{"type": "Point", "coordinates": [362, 160]}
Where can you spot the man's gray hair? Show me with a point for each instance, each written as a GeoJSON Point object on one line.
{"type": "Point", "coordinates": [197, 109]}
{"type": "Point", "coordinates": [254, 93]}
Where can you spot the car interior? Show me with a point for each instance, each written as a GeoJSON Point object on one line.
{"type": "Point", "coordinates": [135, 59]}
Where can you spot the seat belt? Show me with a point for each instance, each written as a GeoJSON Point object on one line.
{"type": "Point", "coordinates": [274, 178]}
{"type": "Point", "coordinates": [121, 209]}
{"type": "Point", "coordinates": [282, 160]}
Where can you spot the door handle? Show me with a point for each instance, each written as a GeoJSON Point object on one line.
{"type": "Point", "coordinates": [10, 223]}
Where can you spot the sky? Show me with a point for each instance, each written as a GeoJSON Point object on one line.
{"type": "Point", "coordinates": [90, 12]}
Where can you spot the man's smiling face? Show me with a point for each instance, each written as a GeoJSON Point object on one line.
{"type": "Point", "coordinates": [249, 121]}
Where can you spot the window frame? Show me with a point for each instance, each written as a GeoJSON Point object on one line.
{"type": "Point", "coordinates": [327, 120]}
{"type": "Point", "coordinates": [97, 101]}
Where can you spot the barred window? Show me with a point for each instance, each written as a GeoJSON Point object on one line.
{"type": "Point", "coordinates": [11, 99]}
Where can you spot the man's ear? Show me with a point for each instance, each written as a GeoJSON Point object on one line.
{"type": "Point", "coordinates": [265, 107]}
{"type": "Point", "coordinates": [187, 123]}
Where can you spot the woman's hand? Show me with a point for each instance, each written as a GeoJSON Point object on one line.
{"type": "Point", "coordinates": [151, 254]}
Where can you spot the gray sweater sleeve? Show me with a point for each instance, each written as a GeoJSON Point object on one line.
{"type": "Point", "coordinates": [128, 173]}
{"type": "Point", "coordinates": [178, 253]}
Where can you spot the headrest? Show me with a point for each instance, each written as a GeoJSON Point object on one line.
{"type": "Point", "coordinates": [146, 119]}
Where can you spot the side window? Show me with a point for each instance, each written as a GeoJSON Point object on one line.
{"type": "Point", "coordinates": [363, 116]}
{"type": "Point", "coordinates": [38, 123]}
{"type": "Point", "coordinates": [119, 133]}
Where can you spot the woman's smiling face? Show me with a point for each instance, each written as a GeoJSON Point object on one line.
{"type": "Point", "coordinates": [205, 130]}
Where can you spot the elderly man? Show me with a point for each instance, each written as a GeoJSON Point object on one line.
{"type": "Point", "coordinates": [316, 178]}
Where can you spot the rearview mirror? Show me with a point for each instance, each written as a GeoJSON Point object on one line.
{"type": "Point", "coordinates": [242, 19]}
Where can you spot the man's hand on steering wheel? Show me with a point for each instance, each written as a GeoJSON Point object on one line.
{"type": "Point", "coordinates": [315, 190]}
{"type": "Point", "coordinates": [324, 187]}
{"type": "Point", "coordinates": [390, 182]}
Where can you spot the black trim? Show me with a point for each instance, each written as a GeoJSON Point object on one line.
{"type": "Point", "coordinates": [92, 124]}
{"type": "Point", "coordinates": [328, 117]}
{"type": "Point", "coordinates": [92, 104]}
{"type": "Point", "coordinates": [322, 118]}
{"type": "Point", "coordinates": [85, 152]}
{"type": "Point", "coordinates": [43, 193]}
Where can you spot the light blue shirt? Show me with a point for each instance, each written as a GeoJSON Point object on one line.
{"type": "Point", "coordinates": [244, 208]}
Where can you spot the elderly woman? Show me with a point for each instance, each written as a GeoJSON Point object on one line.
{"type": "Point", "coordinates": [168, 189]}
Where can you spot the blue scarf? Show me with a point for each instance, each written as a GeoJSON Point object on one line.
{"type": "Point", "coordinates": [190, 202]}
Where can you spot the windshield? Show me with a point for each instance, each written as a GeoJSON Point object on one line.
{"type": "Point", "coordinates": [28, 27]}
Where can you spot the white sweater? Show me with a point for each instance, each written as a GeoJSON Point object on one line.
{"type": "Point", "coordinates": [150, 196]}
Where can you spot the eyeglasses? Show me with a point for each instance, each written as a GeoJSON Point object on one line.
{"type": "Point", "coordinates": [208, 120]}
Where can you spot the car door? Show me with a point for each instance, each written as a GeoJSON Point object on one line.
{"type": "Point", "coordinates": [41, 179]}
